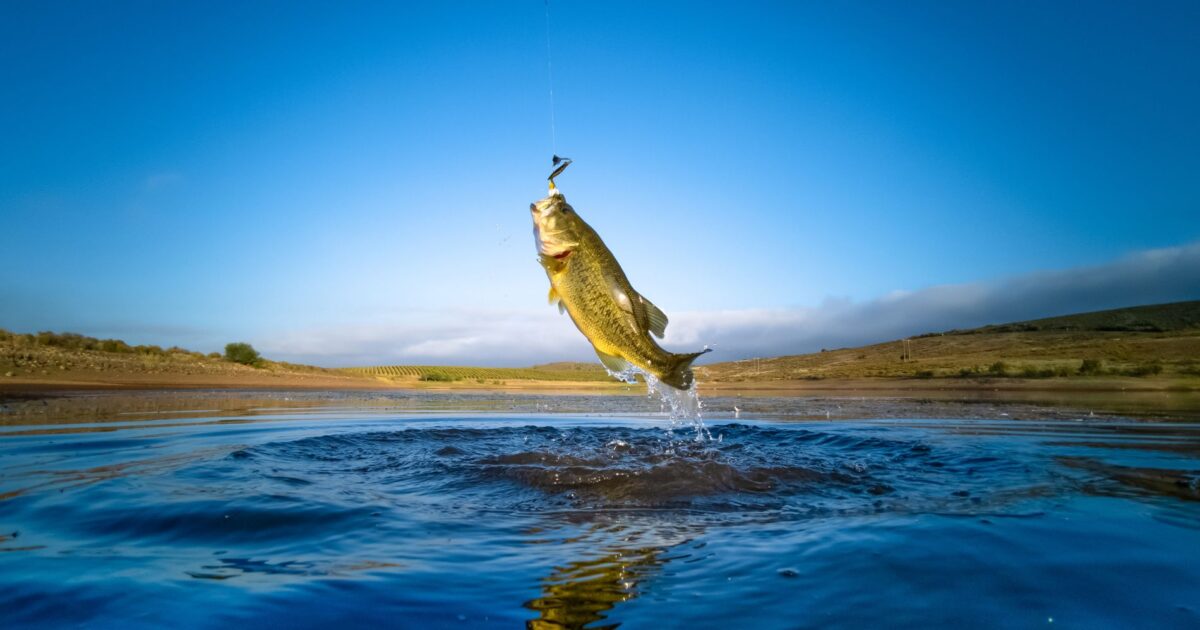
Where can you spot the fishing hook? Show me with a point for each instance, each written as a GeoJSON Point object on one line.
{"type": "Point", "coordinates": [562, 163]}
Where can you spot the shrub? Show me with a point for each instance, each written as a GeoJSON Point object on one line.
{"type": "Point", "coordinates": [1030, 371]}
{"type": "Point", "coordinates": [998, 368]}
{"type": "Point", "coordinates": [114, 345]}
{"type": "Point", "coordinates": [924, 374]}
{"type": "Point", "coordinates": [1091, 367]}
{"type": "Point", "coordinates": [437, 376]}
{"type": "Point", "coordinates": [243, 353]}
{"type": "Point", "coordinates": [1146, 369]}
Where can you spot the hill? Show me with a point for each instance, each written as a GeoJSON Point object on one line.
{"type": "Point", "coordinates": [1174, 317]}
{"type": "Point", "coordinates": [1160, 342]}
{"type": "Point", "coordinates": [49, 360]}
{"type": "Point", "coordinates": [563, 371]}
{"type": "Point", "coordinates": [61, 360]}
{"type": "Point", "coordinates": [1138, 341]}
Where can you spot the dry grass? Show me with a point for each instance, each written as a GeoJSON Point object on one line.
{"type": "Point", "coordinates": [1143, 341]}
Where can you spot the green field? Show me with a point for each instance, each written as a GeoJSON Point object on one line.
{"type": "Point", "coordinates": [441, 373]}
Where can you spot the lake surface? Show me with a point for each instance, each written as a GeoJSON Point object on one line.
{"type": "Point", "coordinates": [497, 510]}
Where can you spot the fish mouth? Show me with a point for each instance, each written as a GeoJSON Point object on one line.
{"type": "Point", "coordinates": [543, 207]}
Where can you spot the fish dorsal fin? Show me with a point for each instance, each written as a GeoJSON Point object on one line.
{"type": "Point", "coordinates": [645, 313]}
{"type": "Point", "coordinates": [613, 363]}
{"type": "Point", "coordinates": [656, 320]}
{"type": "Point", "coordinates": [555, 299]}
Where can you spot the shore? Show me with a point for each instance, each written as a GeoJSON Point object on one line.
{"type": "Point", "coordinates": [329, 381]}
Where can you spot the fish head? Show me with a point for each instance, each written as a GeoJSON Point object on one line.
{"type": "Point", "coordinates": [556, 227]}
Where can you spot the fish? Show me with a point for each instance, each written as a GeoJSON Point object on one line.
{"type": "Point", "coordinates": [588, 284]}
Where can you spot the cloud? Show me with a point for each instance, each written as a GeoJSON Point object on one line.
{"type": "Point", "coordinates": [1148, 277]}
{"type": "Point", "coordinates": [437, 338]}
{"type": "Point", "coordinates": [527, 337]}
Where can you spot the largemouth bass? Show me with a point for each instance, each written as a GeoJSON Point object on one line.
{"type": "Point", "coordinates": [587, 282]}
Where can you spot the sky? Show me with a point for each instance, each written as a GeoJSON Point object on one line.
{"type": "Point", "coordinates": [348, 183]}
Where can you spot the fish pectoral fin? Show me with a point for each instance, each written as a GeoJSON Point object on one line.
{"type": "Point", "coordinates": [555, 299]}
{"type": "Point", "coordinates": [656, 320]}
{"type": "Point", "coordinates": [613, 363]}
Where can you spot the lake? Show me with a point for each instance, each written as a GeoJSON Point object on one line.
{"type": "Point", "coordinates": [469, 510]}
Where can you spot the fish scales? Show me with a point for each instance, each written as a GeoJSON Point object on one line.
{"type": "Point", "coordinates": [589, 284]}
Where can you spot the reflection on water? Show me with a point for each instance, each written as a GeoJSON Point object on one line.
{"type": "Point", "coordinates": [1132, 481]}
{"type": "Point", "coordinates": [583, 590]}
{"type": "Point", "coordinates": [366, 511]}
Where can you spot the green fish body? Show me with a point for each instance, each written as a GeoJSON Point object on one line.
{"type": "Point", "coordinates": [588, 283]}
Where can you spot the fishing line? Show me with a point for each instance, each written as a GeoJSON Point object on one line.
{"type": "Point", "coordinates": [550, 81]}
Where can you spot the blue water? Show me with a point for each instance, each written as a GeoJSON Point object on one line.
{"type": "Point", "coordinates": [414, 518]}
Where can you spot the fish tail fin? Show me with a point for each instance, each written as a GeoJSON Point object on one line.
{"type": "Point", "coordinates": [679, 374]}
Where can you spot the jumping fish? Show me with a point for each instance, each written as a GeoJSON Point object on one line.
{"type": "Point", "coordinates": [587, 282]}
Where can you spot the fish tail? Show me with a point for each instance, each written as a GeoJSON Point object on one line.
{"type": "Point", "coordinates": [679, 373]}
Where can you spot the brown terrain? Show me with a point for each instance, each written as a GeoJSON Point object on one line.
{"type": "Point", "coordinates": [1141, 348]}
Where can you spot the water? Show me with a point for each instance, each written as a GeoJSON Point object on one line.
{"type": "Point", "coordinates": [498, 510]}
{"type": "Point", "coordinates": [680, 406]}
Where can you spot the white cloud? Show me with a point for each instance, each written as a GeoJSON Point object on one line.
{"type": "Point", "coordinates": [438, 337]}
{"type": "Point", "coordinates": [540, 335]}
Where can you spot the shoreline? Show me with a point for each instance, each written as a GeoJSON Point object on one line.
{"type": "Point", "coordinates": [316, 382]}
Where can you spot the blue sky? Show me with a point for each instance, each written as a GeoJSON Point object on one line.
{"type": "Point", "coordinates": [349, 182]}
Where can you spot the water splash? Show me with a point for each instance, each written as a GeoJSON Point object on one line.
{"type": "Point", "coordinates": [682, 406]}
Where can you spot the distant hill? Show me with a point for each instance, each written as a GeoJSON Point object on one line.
{"type": "Point", "coordinates": [70, 358]}
{"type": "Point", "coordinates": [562, 371]}
{"type": "Point", "coordinates": [1143, 341]}
{"type": "Point", "coordinates": [1178, 316]}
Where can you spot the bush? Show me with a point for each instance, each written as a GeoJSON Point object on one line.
{"type": "Point", "coordinates": [1146, 369]}
{"type": "Point", "coordinates": [1091, 367]}
{"type": "Point", "coordinates": [924, 374]}
{"type": "Point", "coordinates": [437, 376]}
{"type": "Point", "coordinates": [1030, 371]}
{"type": "Point", "coordinates": [114, 345]}
{"type": "Point", "coordinates": [243, 353]}
{"type": "Point", "coordinates": [998, 368]}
